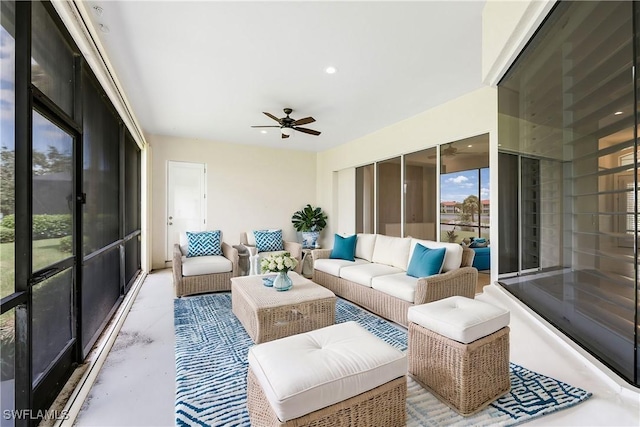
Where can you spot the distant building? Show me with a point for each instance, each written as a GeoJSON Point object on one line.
{"type": "Point", "coordinates": [449, 207]}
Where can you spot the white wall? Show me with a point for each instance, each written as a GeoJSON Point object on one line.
{"type": "Point", "coordinates": [507, 26]}
{"type": "Point", "coordinates": [248, 187]}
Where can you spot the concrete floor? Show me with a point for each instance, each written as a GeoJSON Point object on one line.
{"type": "Point", "coordinates": [137, 383]}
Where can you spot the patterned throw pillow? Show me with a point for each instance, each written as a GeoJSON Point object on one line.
{"type": "Point", "coordinates": [267, 241]}
{"type": "Point", "coordinates": [204, 243]}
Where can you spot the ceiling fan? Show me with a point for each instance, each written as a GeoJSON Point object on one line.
{"type": "Point", "coordinates": [287, 125]}
{"type": "Point", "coordinates": [447, 150]}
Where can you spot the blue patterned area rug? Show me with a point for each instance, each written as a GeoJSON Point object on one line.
{"type": "Point", "coordinates": [211, 370]}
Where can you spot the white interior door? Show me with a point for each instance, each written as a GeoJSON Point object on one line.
{"type": "Point", "coordinates": [186, 194]}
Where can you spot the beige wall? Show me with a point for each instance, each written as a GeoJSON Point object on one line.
{"type": "Point", "coordinates": [248, 187]}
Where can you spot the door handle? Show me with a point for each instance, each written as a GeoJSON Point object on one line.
{"type": "Point", "coordinates": [170, 217]}
{"type": "Point", "coordinates": [170, 223]}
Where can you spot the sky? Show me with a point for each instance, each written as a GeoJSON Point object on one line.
{"type": "Point", "coordinates": [457, 186]}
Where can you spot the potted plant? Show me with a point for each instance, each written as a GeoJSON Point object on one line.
{"type": "Point", "coordinates": [310, 221]}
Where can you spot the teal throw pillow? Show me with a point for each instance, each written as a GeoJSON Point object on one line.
{"type": "Point", "coordinates": [425, 262]}
{"type": "Point", "coordinates": [344, 248]}
{"type": "Point", "coordinates": [268, 241]}
{"type": "Point", "coordinates": [204, 243]}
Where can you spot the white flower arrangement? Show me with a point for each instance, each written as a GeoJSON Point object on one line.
{"type": "Point", "coordinates": [277, 263]}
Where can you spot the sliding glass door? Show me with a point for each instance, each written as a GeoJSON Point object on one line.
{"type": "Point", "coordinates": [568, 130]}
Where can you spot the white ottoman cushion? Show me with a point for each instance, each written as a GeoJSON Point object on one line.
{"type": "Point", "coordinates": [459, 318]}
{"type": "Point", "coordinates": [306, 372]}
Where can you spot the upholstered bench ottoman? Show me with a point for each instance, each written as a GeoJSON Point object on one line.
{"type": "Point", "coordinates": [459, 350]}
{"type": "Point", "coordinates": [337, 375]}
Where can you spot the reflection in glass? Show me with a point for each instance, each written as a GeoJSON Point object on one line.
{"type": "Point", "coordinates": [420, 194]}
{"type": "Point", "coordinates": [7, 364]}
{"type": "Point", "coordinates": [52, 193]}
{"type": "Point", "coordinates": [365, 200]}
{"type": "Point", "coordinates": [567, 109]}
{"type": "Point", "coordinates": [7, 148]}
{"type": "Point", "coordinates": [389, 197]}
{"type": "Point", "coordinates": [52, 321]}
{"type": "Point", "coordinates": [464, 190]}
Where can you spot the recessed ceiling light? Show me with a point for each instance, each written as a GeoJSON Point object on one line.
{"type": "Point", "coordinates": [330, 70]}
{"type": "Point", "coordinates": [104, 28]}
{"type": "Point", "coordinates": [98, 10]}
{"type": "Point", "coordinates": [469, 146]}
{"type": "Point", "coordinates": [617, 113]}
{"type": "Point", "coordinates": [263, 131]}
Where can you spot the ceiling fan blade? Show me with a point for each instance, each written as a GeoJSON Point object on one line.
{"type": "Point", "coordinates": [309, 131]}
{"type": "Point", "coordinates": [274, 126]}
{"type": "Point", "coordinates": [284, 136]}
{"type": "Point", "coordinates": [304, 121]}
{"type": "Point", "coordinates": [271, 116]}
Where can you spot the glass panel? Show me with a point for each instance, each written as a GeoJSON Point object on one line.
{"type": "Point", "coordinates": [567, 108]}
{"type": "Point", "coordinates": [389, 197]}
{"type": "Point", "coordinates": [52, 320]}
{"type": "Point", "coordinates": [485, 203]}
{"type": "Point", "coordinates": [530, 188]}
{"type": "Point", "coordinates": [7, 148]}
{"type": "Point", "coordinates": [365, 199]}
{"type": "Point", "coordinates": [100, 292]}
{"type": "Point", "coordinates": [464, 190]}
{"type": "Point", "coordinates": [132, 161]}
{"type": "Point", "coordinates": [508, 214]}
{"type": "Point", "coordinates": [52, 193]}
{"type": "Point", "coordinates": [101, 170]}
{"type": "Point", "coordinates": [7, 365]}
{"type": "Point", "coordinates": [420, 184]}
{"type": "Point", "coordinates": [132, 259]}
{"type": "Point", "coordinates": [52, 60]}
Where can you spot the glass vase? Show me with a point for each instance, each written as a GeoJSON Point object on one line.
{"type": "Point", "coordinates": [282, 282]}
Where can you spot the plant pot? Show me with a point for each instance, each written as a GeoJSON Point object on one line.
{"type": "Point", "coordinates": [310, 239]}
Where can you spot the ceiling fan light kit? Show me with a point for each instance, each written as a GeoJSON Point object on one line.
{"type": "Point", "coordinates": [287, 131]}
{"type": "Point", "coordinates": [288, 125]}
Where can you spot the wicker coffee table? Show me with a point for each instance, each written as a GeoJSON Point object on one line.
{"type": "Point", "coordinates": [267, 314]}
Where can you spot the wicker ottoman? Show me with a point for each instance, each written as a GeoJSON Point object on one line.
{"type": "Point", "coordinates": [338, 375]}
{"type": "Point", "coordinates": [459, 350]}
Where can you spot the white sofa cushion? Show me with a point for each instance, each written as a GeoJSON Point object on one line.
{"type": "Point", "coordinates": [363, 273]}
{"type": "Point", "coordinates": [195, 266]}
{"type": "Point", "coordinates": [364, 246]}
{"type": "Point", "coordinates": [459, 318]}
{"type": "Point", "coordinates": [452, 258]}
{"type": "Point", "coordinates": [306, 372]}
{"type": "Point", "coordinates": [333, 266]}
{"type": "Point", "coordinates": [398, 285]}
{"type": "Point", "coordinates": [392, 251]}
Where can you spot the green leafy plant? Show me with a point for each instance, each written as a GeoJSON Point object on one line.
{"type": "Point", "coordinates": [309, 219]}
{"type": "Point", "coordinates": [451, 235]}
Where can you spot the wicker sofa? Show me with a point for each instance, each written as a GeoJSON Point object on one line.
{"type": "Point", "coordinates": [203, 274]}
{"type": "Point", "coordinates": [377, 279]}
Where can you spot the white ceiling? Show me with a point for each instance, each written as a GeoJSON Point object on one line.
{"type": "Point", "coordinates": [208, 69]}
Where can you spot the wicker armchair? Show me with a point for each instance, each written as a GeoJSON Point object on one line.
{"type": "Point", "coordinates": [294, 248]}
{"type": "Point", "coordinates": [191, 284]}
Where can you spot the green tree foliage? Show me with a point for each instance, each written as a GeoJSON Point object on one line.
{"type": "Point", "coordinates": [7, 181]}
{"type": "Point", "coordinates": [471, 206]}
